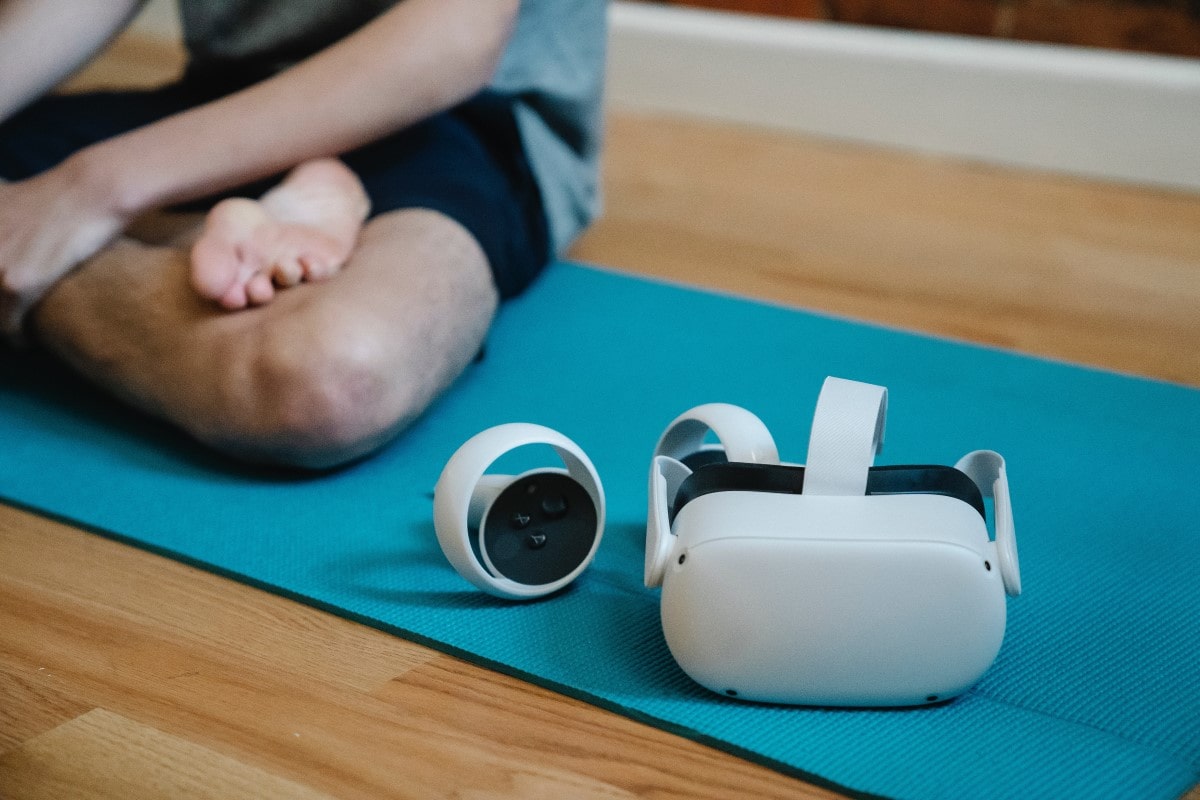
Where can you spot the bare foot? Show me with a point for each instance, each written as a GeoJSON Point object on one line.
{"type": "Point", "coordinates": [302, 230]}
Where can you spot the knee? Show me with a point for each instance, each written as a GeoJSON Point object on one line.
{"type": "Point", "coordinates": [324, 382]}
{"type": "Point", "coordinates": [314, 401]}
{"type": "Point", "coordinates": [331, 403]}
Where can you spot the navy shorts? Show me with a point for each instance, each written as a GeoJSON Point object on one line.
{"type": "Point", "coordinates": [467, 163]}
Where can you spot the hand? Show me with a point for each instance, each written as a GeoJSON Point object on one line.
{"type": "Point", "coordinates": [48, 226]}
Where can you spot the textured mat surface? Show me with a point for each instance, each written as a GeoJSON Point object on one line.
{"type": "Point", "coordinates": [1096, 691]}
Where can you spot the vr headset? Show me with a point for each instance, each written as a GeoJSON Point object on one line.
{"type": "Point", "coordinates": [836, 583]}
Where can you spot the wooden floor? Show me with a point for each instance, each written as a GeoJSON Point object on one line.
{"type": "Point", "coordinates": [1080, 271]}
{"type": "Point", "coordinates": [125, 675]}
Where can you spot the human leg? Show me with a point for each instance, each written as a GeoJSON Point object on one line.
{"type": "Point", "coordinates": [323, 374]}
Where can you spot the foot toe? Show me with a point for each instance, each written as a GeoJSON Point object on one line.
{"type": "Point", "coordinates": [214, 267]}
{"type": "Point", "coordinates": [288, 272]}
{"type": "Point", "coordinates": [235, 298]}
{"type": "Point", "coordinates": [260, 290]}
{"type": "Point", "coordinates": [316, 268]}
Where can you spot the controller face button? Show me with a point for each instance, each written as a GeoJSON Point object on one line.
{"type": "Point", "coordinates": [519, 520]}
{"type": "Point", "coordinates": [554, 506]}
{"type": "Point", "coordinates": [536, 540]}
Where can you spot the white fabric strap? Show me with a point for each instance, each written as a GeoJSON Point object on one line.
{"type": "Point", "coordinates": [742, 435]}
{"type": "Point", "coordinates": [666, 476]}
{"type": "Point", "coordinates": [987, 469]}
{"type": "Point", "coordinates": [847, 432]}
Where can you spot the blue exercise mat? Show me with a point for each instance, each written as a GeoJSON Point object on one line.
{"type": "Point", "coordinates": [1095, 693]}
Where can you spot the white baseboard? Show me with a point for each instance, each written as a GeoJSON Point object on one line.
{"type": "Point", "coordinates": [1099, 114]}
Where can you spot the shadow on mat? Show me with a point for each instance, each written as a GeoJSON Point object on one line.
{"type": "Point", "coordinates": [47, 395]}
{"type": "Point", "coordinates": [601, 634]}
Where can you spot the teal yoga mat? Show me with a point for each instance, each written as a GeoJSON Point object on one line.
{"type": "Point", "coordinates": [1095, 693]}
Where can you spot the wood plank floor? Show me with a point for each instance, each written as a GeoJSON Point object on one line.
{"type": "Point", "coordinates": [125, 675]}
{"type": "Point", "coordinates": [1081, 271]}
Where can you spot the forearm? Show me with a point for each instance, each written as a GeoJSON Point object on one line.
{"type": "Point", "coordinates": [418, 58]}
{"type": "Point", "coordinates": [44, 41]}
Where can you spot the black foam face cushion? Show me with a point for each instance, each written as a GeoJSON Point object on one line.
{"type": "Point", "coordinates": [778, 479]}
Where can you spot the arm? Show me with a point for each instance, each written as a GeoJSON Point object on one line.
{"type": "Point", "coordinates": [418, 58]}
{"type": "Point", "coordinates": [44, 41]}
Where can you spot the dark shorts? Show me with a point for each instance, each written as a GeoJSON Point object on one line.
{"type": "Point", "coordinates": [467, 163]}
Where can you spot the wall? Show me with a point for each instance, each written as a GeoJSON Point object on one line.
{"type": "Point", "coordinates": [1157, 26]}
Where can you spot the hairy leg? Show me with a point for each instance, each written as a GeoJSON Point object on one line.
{"type": "Point", "coordinates": [302, 230]}
{"type": "Point", "coordinates": [323, 374]}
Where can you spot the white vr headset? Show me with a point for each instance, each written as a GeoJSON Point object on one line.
{"type": "Point", "coordinates": [836, 583]}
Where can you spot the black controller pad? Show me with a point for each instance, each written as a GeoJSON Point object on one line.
{"type": "Point", "coordinates": [540, 528]}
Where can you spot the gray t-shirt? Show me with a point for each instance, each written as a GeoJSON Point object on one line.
{"type": "Point", "coordinates": [553, 67]}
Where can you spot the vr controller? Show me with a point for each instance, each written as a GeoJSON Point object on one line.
{"type": "Point", "coordinates": [519, 536]}
{"type": "Point", "coordinates": [836, 583]}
